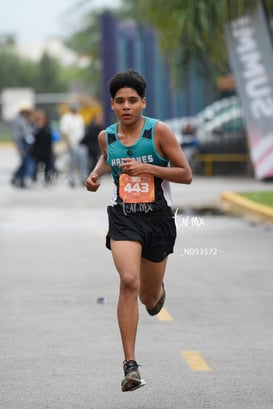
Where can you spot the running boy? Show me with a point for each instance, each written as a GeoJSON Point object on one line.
{"type": "Point", "coordinates": [143, 156]}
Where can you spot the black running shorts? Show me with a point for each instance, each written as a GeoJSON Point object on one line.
{"type": "Point", "coordinates": [155, 230]}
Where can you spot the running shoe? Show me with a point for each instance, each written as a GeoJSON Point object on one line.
{"type": "Point", "coordinates": [158, 307]}
{"type": "Point", "coordinates": [132, 379]}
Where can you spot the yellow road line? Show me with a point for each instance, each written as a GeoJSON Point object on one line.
{"type": "Point", "coordinates": [163, 315]}
{"type": "Point", "coordinates": [195, 361]}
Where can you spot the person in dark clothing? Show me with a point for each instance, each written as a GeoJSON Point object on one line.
{"type": "Point", "coordinates": [22, 132]}
{"type": "Point", "coordinates": [42, 151]}
{"type": "Point", "coordinates": [90, 139]}
{"type": "Point", "coordinates": [190, 144]}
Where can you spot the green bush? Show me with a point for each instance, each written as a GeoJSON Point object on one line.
{"type": "Point", "coordinates": [5, 136]}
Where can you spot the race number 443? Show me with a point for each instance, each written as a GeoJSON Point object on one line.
{"type": "Point", "coordinates": [136, 189]}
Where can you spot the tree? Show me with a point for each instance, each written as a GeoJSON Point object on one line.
{"type": "Point", "coordinates": [86, 41]}
{"type": "Point", "coordinates": [45, 76]}
{"type": "Point", "coordinates": [192, 29]}
{"type": "Point", "coordinates": [49, 75]}
{"type": "Point", "coordinates": [15, 71]}
{"type": "Point", "coordinates": [7, 39]}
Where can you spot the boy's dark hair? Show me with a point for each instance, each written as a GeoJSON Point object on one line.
{"type": "Point", "coordinates": [131, 79]}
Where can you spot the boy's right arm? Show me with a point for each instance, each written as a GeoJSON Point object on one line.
{"type": "Point", "coordinates": [92, 184]}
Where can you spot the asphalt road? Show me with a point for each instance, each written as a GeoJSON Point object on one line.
{"type": "Point", "coordinates": [60, 348]}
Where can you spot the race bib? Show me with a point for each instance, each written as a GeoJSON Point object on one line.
{"type": "Point", "coordinates": [137, 189]}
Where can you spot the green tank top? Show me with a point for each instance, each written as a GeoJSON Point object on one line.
{"type": "Point", "coordinates": [143, 150]}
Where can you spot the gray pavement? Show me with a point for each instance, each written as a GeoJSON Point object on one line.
{"type": "Point", "coordinates": [60, 349]}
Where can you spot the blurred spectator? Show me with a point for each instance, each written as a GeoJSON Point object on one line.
{"type": "Point", "coordinates": [189, 143]}
{"type": "Point", "coordinates": [42, 151]}
{"type": "Point", "coordinates": [72, 129]}
{"type": "Point", "coordinates": [90, 140]}
{"type": "Point", "coordinates": [22, 133]}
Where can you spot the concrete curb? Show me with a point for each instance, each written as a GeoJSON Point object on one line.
{"type": "Point", "coordinates": [6, 145]}
{"type": "Point", "coordinates": [236, 204]}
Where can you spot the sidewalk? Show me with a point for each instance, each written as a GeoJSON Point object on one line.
{"type": "Point", "coordinates": [236, 204]}
{"type": "Point", "coordinates": [208, 191]}
{"type": "Point", "coordinates": [222, 193]}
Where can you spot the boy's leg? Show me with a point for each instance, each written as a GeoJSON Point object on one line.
{"type": "Point", "coordinates": [151, 280]}
{"type": "Point", "coordinates": [127, 259]}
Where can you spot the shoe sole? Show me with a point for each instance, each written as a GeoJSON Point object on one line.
{"type": "Point", "coordinates": [132, 384]}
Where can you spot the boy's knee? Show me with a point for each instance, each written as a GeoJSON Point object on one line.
{"type": "Point", "coordinates": [129, 281]}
